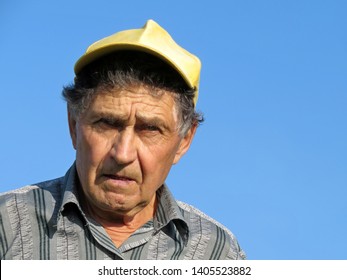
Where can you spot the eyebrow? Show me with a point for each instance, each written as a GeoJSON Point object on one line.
{"type": "Point", "coordinates": [156, 121]}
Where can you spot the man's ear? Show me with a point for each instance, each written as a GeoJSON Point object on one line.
{"type": "Point", "coordinates": [72, 128]}
{"type": "Point", "coordinates": [185, 143]}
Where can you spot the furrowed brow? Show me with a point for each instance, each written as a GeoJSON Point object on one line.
{"type": "Point", "coordinates": [155, 121]}
{"type": "Point", "coordinates": [110, 117]}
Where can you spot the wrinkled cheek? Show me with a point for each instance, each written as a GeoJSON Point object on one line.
{"type": "Point", "coordinates": [156, 175]}
{"type": "Point", "coordinates": [92, 149]}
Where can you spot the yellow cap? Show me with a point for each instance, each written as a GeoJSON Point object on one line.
{"type": "Point", "coordinates": [153, 39]}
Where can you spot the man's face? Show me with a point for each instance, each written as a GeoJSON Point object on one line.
{"type": "Point", "coordinates": [126, 143]}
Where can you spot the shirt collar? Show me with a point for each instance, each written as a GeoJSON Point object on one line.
{"type": "Point", "coordinates": [69, 190]}
{"type": "Point", "coordinates": [169, 211]}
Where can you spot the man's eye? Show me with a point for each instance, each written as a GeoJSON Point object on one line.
{"type": "Point", "coordinates": [152, 128]}
{"type": "Point", "coordinates": [105, 121]}
{"type": "Point", "coordinates": [149, 127]}
{"type": "Point", "coordinates": [108, 122]}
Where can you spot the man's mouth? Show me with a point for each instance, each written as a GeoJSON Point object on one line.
{"type": "Point", "coordinates": [118, 177]}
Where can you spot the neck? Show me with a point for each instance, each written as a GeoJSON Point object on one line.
{"type": "Point", "coordinates": [120, 227]}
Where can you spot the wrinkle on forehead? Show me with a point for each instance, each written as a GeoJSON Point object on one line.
{"type": "Point", "coordinates": [138, 95]}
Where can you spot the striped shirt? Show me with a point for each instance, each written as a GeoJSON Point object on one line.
{"type": "Point", "coordinates": [45, 221]}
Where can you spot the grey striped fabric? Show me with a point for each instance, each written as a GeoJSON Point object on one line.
{"type": "Point", "coordinates": [45, 221]}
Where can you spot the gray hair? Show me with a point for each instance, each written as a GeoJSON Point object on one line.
{"type": "Point", "coordinates": [126, 69]}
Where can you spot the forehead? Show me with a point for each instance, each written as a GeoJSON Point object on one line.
{"type": "Point", "coordinates": [135, 100]}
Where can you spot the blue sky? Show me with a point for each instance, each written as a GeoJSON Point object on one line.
{"type": "Point", "coordinates": [270, 161]}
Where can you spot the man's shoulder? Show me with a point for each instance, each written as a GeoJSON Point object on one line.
{"type": "Point", "coordinates": [215, 229]}
{"type": "Point", "coordinates": [50, 187]}
{"type": "Point", "coordinates": [195, 211]}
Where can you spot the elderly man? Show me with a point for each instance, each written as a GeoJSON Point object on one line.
{"type": "Point", "coordinates": [131, 113]}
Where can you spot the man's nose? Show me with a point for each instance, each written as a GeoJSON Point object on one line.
{"type": "Point", "coordinates": [124, 149]}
